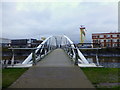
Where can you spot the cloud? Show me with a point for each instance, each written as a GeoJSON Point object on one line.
{"type": "Point", "coordinates": [26, 20]}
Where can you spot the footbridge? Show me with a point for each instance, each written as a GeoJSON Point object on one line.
{"type": "Point", "coordinates": [55, 63]}
{"type": "Point", "coordinates": [58, 45]}
{"type": "Point", "coordinates": [55, 70]}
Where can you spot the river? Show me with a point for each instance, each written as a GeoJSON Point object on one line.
{"type": "Point", "coordinates": [108, 62]}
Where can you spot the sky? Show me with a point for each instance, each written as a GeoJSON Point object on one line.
{"type": "Point", "coordinates": [36, 19]}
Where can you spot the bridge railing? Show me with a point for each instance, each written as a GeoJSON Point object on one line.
{"type": "Point", "coordinates": [45, 47]}
{"type": "Point", "coordinates": [75, 53]}
{"type": "Point", "coordinates": [50, 44]}
{"type": "Point", "coordinates": [37, 53]}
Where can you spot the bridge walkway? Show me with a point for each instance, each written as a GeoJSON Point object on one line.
{"type": "Point", "coordinates": [54, 71]}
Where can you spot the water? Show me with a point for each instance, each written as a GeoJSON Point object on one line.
{"type": "Point", "coordinates": [108, 62]}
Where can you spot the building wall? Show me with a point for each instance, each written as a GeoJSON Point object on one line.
{"type": "Point", "coordinates": [22, 43]}
{"type": "Point", "coordinates": [5, 42]}
{"type": "Point", "coordinates": [107, 39]}
{"type": "Point", "coordinates": [19, 43]}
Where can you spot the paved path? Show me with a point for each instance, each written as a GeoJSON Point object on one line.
{"type": "Point", "coordinates": [54, 71]}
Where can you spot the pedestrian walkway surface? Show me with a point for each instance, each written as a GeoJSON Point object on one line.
{"type": "Point", "coordinates": [56, 70]}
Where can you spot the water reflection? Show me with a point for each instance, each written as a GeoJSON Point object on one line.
{"type": "Point", "coordinates": [111, 62]}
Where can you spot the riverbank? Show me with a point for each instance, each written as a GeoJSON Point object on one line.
{"type": "Point", "coordinates": [109, 52]}
{"type": "Point", "coordinates": [11, 75]}
{"type": "Point", "coordinates": [103, 77]}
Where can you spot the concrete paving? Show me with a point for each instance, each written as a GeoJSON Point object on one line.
{"type": "Point", "coordinates": [54, 71]}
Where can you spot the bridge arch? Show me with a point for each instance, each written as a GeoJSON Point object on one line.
{"type": "Point", "coordinates": [61, 41]}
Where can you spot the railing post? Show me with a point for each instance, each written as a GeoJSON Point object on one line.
{"type": "Point", "coordinates": [76, 57]}
{"type": "Point", "coordinates": [97, 58]}
{"type": "Point", "coordinates": [34, 57]}
{"type": "Point", "coordinates": [13, 57]}
{"type": "Point", "coordinates": [40, 52]}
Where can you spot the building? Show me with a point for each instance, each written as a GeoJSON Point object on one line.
{"type": "Point", "coordinates": [23, 43]}
{"type": "Point", "coordinates": [35, 43]}
{"type": "Point", "coordinates": [84, 45]}
{"type": "Point", "coordinates": [4, 42]}
{"type": "Point", "coordinates": [106, 39]}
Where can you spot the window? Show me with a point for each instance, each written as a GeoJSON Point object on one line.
{"type": "Point", "coordinates": [99, 41]}
{"type": "Point", "coordinates": [114, 40]}
{"type": "Point", "coordinates": [101, 36]}
{"type": "Point", "coordinates": [102, 45]}
{"type": "Point", "coordinates": [109, 40]}
{"type": "Point", "coordinates": [108, 45]}
{"type": "Point", "coordinates": [114, 45]}
{"type": "Point", "coordinates": [114, 35]}
{"type": "Point", "coordinates": [95, 41]}
{"type": "Point", "coordinates": [107, 35]}
{"type": "Point", "coordinates": [102, 40]}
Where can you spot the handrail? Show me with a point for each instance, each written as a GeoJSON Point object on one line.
{"type": "Point", "coordinates": [40, 48]}
{"type": "Point", "coordinates": [74, 52]}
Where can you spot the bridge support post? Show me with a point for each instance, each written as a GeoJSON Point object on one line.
{"type": "Point", "coordinates": [76, 57]}
{"type": "Point", "coordinates": [40, 52]}
{"type": "Point", "coordinates": [97, 58]}
{"type": "Point", "coordinates": [13, 57]}
{"type": "Point", "coordinates": [34, 57]}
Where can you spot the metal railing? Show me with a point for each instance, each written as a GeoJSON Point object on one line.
{"type": "Point", "coordinates": [43, 49]}
{"type": "Point", "coordinates": [74, 52]}
{"type": "Point", "coordinates": [36, 55]}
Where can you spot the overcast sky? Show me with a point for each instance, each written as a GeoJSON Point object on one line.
{"type": "Point", "coordinates": [36, 19]}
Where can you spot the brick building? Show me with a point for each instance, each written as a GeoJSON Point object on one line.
{"type": "Point", "coordinates": [106, 39]}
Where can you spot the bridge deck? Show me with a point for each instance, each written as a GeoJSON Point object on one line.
{"type": "Point", "coordinates": [54, 71]}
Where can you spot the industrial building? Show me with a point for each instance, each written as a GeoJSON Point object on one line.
{"type": "Point", "coordinates": [23, 43]}
{"type": "Point", "coordinates": [107, 40]}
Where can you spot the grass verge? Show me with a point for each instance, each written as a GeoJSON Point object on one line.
{"type": "Point", "coordinates": [101, 76]}
{"type": "Point", "coordinates": [11, 75]}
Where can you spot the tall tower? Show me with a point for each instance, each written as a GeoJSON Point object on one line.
{"type": "Point", "coordinates": [82, 34]}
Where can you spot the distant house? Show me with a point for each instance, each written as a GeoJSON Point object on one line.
{"type": "Point", "coordinates": [107, 39]}
{"type": "Point", "coordinates": [4, 42]}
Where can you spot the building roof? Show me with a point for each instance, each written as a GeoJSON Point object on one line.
{"type": "Point", "coordinates": [106, 33]}
{"type": "Point", "coordinates": [5, 40]}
